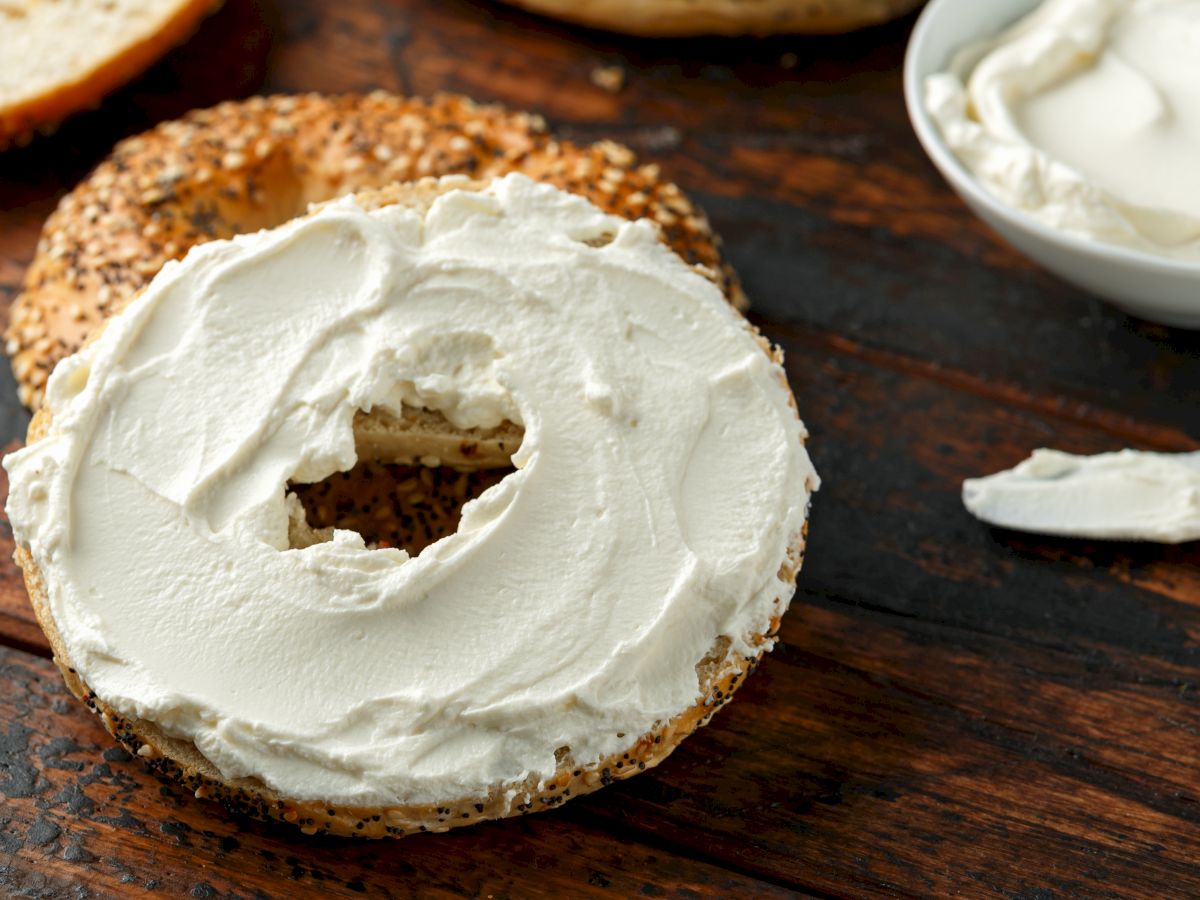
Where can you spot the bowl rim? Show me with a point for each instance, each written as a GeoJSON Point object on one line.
{"type": "Point", "coordinates": [966, 184]}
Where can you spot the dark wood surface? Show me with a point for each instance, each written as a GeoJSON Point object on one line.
{"type": "Point", "coordinates": [953, 709]}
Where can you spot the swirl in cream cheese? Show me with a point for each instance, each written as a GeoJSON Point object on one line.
{"type": "Point", "coordinates": [1086, 115]}
{"type": "Point", "coordinates": [661, 480]}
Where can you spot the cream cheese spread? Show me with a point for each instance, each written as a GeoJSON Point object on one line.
{"type": "Point", "coordinates": [1130, 495]}
{"type": "Point", "coordinates": [1086, 115]}
{"type": "Point", "coordinates": [660, 482]}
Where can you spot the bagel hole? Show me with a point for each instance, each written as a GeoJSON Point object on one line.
{"type": "Point", "coordinates": [393, 504]}
{"type": "Point", "coordinates": [407, 504]}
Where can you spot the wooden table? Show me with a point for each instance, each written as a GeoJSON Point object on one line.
{"type": "Point", "coordinates": [952, 709]}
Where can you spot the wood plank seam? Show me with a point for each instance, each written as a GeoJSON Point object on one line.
{"type": "Point", "coordinates": [1121, 673]}
{"type": "Point", "coordinates": [650, 838]}
{"type": "Point", "coordinates": [1062, 408]}
{"type": "Point", "coordinates": [1062, 756]}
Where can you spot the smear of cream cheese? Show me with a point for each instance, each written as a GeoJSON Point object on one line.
{"type": "Point", "coordinates": [1129, 495]}
{"type": "Point", "coordinates": [660, 482]}
{"type": "Point", "coordinates": [1086, 115]}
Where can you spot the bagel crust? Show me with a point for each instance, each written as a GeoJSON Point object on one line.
{"type": "Point", "coordinates": [243, 166]}
{"type": "Point", "coordinates": [110, 44]}
{"type": "Point", "coordinates": [719, 673]}
{"type": "Point", "coordinates": [679, 18]}
{"type": "Point", "coordinates": [174, 760]}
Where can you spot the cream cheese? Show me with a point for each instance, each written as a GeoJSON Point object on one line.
{"type": "Point", "coordinates": [1130, 495]}
{"type": "Point", "coordinates": [1086, 115]}
{"type": "Point", "coordinates": [661, 479]}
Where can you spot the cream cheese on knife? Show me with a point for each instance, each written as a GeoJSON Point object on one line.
{"type": "Point", "coordinates": [1130, 495]}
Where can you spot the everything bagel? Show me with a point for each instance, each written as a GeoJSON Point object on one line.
{"type": "Point", "coordinates": [678, 18]}
{"type": "Point", "coordinates": [242, 166]}
{"type": "Point", "coordinates": [590, 611]}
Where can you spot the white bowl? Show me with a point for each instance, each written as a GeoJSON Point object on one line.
{"type": "Point", "coordinates": [1151, 287]}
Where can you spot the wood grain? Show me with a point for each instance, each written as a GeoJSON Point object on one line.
{"type": "Point", "coordinates": [80, 811]}
{"type": "Point", "coordinates": [953, 709]}
{"type": "Point", "coordinates": [1009, 696]}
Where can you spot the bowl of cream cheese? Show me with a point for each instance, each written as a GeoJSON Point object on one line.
{"type": "Point", "coordinates": [1072, 127]}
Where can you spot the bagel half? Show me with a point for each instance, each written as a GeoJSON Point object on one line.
{"type": "Point", "coordinates": [415, 437]}
{"type": "Point", "coordinates": [63, 56]}
{"type": "Point", "coordinates": [244, 166]}
{"type": "Point", "coordinates": [720, 674]}
{"type": "Point", "coordinates": [679, 18]}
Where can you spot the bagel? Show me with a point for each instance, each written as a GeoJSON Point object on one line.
{"type": "Point", "coordinates": [63, 56]}
{"type": "Point", "coordinates": [680, 18]}
{"type": "Point", "coordinates": [560, 246]}
{"type": "Point", "coordinates": [242, 166]}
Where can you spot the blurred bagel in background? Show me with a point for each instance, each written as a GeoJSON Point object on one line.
{"type": "Point", "coordinates": [680, 18]}
{"type": "Point", "coordinates": [62, 56]}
